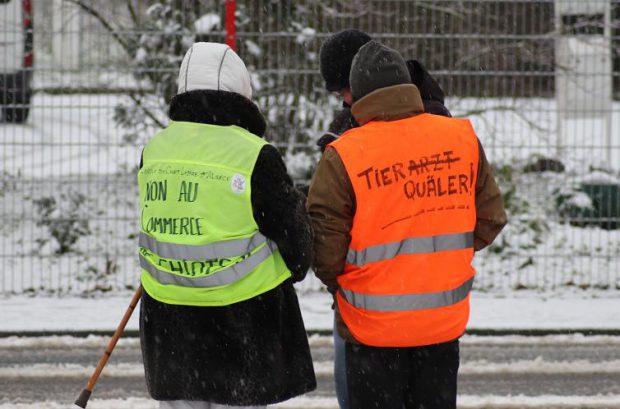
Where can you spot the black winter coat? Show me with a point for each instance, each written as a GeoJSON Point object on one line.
{"type": "Point", "coordinates": [253, 352]}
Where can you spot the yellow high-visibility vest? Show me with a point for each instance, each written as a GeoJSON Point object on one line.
{"type": "Point", "coordinates": [199, 243]}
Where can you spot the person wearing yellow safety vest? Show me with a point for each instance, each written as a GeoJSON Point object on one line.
{"type": "Point", "coordinates": [223, 236]}
{"type": "Point", "coordinates": [398, 206]}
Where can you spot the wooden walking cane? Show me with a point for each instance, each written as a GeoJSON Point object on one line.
{"type": "Point", "coordinates": [82, 400]}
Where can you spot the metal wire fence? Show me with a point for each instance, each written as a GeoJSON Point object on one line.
{"type": "Point", "coordinates": [84, 83]}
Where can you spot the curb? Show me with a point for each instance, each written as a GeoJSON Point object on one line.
{"type": "Point", "coordinates": [485, 332]}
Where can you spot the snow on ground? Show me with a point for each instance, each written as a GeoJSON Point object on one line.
{"type": "Point", "coordinates": [324, 368]}
{"type": "Point", "coordinates": [23, 313]}
{"type": "Point", "coordinates": [76, 134]}
{"type": "Point", "coordinates": [464, 402]}
{"type": "Point", "coordinates": [542, 402]}
{"type": "Point", "coordinates": [315, 341]}
{"type": "Point", "coordinates": [110, 80]}
{"type": "Point", "coordinates": [71, 147]}
{"type": "Point", "coordinates": [511, 128]}
{"type": "Point", "coordinates": [67, 135]}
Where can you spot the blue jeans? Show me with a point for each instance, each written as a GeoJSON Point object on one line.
{"type": "Point", "coordinates": [340, 371]}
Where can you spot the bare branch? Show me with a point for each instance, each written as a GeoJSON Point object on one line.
{"type": "Point", "coordinates": [146, 111]}
{"type": "Point", "coordinates": [132, 13]}
{"type": "Point", "coordinates": [453, 11]}
{"type": "Point", "coordinates": [505, 108]}
{"type": "Point", "coordinates": [90, 10]}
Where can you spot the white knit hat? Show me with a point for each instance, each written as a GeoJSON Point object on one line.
{"type": "Point", "coordinates": [214, 66]}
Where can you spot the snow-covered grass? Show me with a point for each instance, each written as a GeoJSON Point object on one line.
{"type": "Point", "coordinates": [517, 128]}
{"type": "Point", "coordinates": [67, 135]}
{"type": "Point", "coordinates": [72, 147]}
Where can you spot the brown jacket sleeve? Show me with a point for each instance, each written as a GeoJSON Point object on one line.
{"type": "Point", "coordinates": [490, 213]}
{"type": "Point", "coordinates": [331, 206]}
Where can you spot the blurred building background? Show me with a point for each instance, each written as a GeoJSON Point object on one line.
{"type": "Point", "coordinates": [84, 83]}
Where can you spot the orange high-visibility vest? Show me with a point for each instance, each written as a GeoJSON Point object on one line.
{"type": "Point", "coordinates": [408, 273]}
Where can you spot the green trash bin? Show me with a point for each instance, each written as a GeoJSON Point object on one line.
{"type": "Point", "coordinates": [601, 208]}
{"type": "Point", "coordinates": [605, 202]}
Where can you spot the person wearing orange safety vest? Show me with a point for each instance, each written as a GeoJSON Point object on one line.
{"type": "Point", "coordinates": [398, 206]}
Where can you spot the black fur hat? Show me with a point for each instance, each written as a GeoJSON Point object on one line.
{"type": "Point", "coordinates": [336, 55]}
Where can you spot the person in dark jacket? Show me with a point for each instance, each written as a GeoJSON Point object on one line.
{"type": "Point", "coordinates": [253, 352]}
{"type": "Point", "coordinates": [335, 59]}
{"type": "Point", "coordinates": [336, 56]}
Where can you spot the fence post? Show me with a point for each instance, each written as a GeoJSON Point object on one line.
{"type": "Point", "coordinates": [231, 29]}
{"type": "Point", "coordinates": [66, 39]}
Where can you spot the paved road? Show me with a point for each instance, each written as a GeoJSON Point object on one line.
{"type": "Point", "coordinates": [56, 369]}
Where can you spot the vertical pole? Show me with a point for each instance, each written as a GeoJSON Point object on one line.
{"type": "Point", "coordinates": [559, 82]}
{"type": "Point", "coordinates": [67, 39]}
{"type": "Point", "coordinates": [231, 29]}
{"type": "Point", "coordinates": [607, 33]}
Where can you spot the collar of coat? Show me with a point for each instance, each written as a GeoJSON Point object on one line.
{"type": "Point", "coordinates": [388, 104]}
{"type": "Point", "coordinates": [217, 108]}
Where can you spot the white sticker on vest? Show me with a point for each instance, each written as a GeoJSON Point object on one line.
{"type": "Point", "coordinates": [237, 183]}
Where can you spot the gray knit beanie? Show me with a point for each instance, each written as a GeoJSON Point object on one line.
{"type": "Point", "coordinates": [376, 66]}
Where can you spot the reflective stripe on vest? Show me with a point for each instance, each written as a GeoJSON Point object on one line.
{"type": "Point", "coordinates": [412, 245]}
{"type": "Point", "coordinates": [225, 276]}
{"type": "Point", "coordinates": [408, 302]}
{"type": "Point", "coordinates": [213, 251]}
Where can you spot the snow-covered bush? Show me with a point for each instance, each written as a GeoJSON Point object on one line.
{"type": "Point", "coordinates": [101, 278]}
{"type": "Point", "coordinates": [553, 238]}
{"type": "Point", "coordinates": [65, 218]}
{"type": "Point", "coordinates": [8, 182]}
